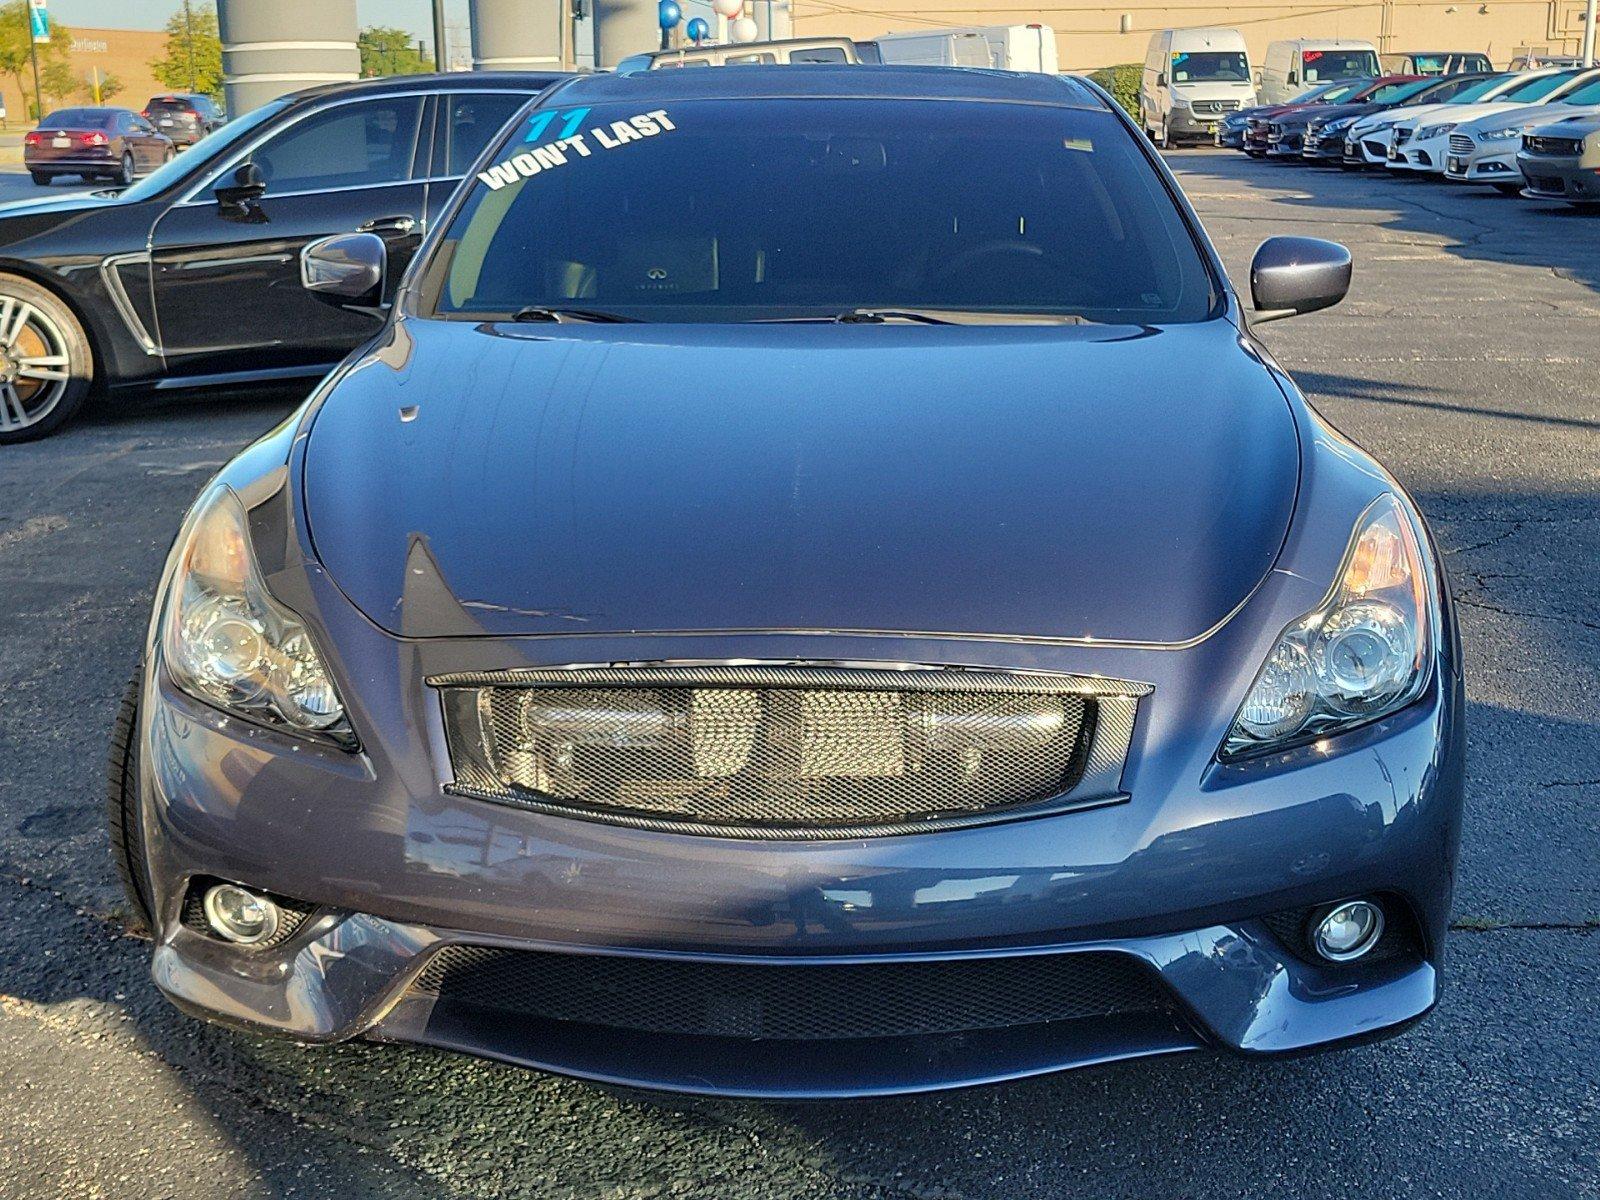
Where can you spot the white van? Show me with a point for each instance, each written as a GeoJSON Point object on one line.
{"type": "Point", "coordinates": [999, 47]}
{"type": "Point", "coordinates": [1192, 79]}
{"type": "Point", "coordinates": [1296, 66]}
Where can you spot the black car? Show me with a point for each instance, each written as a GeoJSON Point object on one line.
{"type": "Point", "coordinates": [1323, 136]}
{"type": "Point", "coordinates": [192, 276]}
{"type": "Point", "coordinates": [185, 117]}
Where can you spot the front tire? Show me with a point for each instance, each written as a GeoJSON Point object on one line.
{"type": "Point", "coordinates": [46, 364]}
{"type": "Point", "coordinates": [122, 805]}
{"type": "Point", "coordinates": [1509, 189]}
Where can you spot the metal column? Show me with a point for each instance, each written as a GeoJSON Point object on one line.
{"type": "Point", "coordinates": [520, 35]}
{"type": "Point", "coordinates": [270, 50]}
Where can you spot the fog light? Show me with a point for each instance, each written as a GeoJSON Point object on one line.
{"type": "Point", "coordinates": [1348, 931]}
{"type": "Point", "coordinates": [240, 916]}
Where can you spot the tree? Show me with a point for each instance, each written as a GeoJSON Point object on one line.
{"type": "Point", "coordinates": [16, 48]}
{"type": "Point", "coordinates": [193, 62]}
{"type": "Point", "coordinates": [57, 81]}
{"type": "Point", "coordinates": [110, 86]}
{"type": "Point", "coordinates": [389, 51]}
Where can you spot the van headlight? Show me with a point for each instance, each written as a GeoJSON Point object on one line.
{"type": "Point", "coordinates": [1361, 654]}
{"type": "Point", "coordinates": [226, 641]}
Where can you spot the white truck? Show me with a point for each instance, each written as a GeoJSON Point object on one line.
{"type": "Point", "coordinates": [1193, 78]}
{"type": "Point", "coordinates": [999, 47]}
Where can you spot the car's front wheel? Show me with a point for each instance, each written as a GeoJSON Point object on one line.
{"type": "Point", "coordinates": [122, 805]}
{"type": "Point", "coordinates": [1509, 189]}
{"type": "Point", "coordinates": [46, 365]}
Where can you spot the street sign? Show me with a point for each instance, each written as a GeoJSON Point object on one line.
{"type": "Point", "coordinates": [39, 20]}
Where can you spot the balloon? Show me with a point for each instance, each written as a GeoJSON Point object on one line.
{"type": "Point", "coordinates": [727, 8]}
{"type": "Point", "coordinates": [669, 14]}
{"type": "Point", "coordinates": [743, 30]}
{"type": "Point", "coordinates": [697, 29]}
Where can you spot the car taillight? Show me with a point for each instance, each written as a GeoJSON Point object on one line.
{"type": "Point", "coordinates": [34, 138]}
{"type": "Point", "coordinates": [94, 139]}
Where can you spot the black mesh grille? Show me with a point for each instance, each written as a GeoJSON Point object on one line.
{"type": "Point", "coordinates": [815, 750]}
{"type": "Point", "coordinates": [1564, 147]}
{"type": "Point", "coordinates": [791, 1002]}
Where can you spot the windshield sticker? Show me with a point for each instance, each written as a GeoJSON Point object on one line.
{"type": "Point", "coordinates": [560, 152]}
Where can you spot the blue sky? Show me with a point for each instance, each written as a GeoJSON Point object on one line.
{"type": "Point", "coordinates": [415, 16]}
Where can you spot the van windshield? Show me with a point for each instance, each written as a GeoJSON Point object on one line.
{"type": "Point", "coordinates": [706, 211]}
{"type": "Point", "coordinates": [1210, 66]}
{"type": "Point", "coordinates": [1338, 64]}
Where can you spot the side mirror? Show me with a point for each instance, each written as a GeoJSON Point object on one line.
{"type": "Point", "coordinates": [1161, 79]}
{"type": "Point", "coordinates": [1294, 275]}
{"type": "Point", "coordinates": [248, 184]}
{"type": "Point", "coordinates": [345, 268]}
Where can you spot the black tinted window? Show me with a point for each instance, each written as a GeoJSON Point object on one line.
{"type": "Point", "coordinates": [473, 122]}
{"type": "Point", "coordinates": [817, 54]}
{"type": "Point", "coordinates": [80, 118]}
{"type": "Point", "coordinates": [717, 211]}
{"type": "Point", "coordinates": [348, 145]}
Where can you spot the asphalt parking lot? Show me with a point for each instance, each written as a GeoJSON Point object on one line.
{"type": "Point", "coordinates": [1465, 358]}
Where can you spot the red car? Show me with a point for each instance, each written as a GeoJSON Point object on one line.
{"type": "Point", "coordinates": [95, 143]}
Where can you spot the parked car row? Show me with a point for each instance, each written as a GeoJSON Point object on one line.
{"type": "Point", "coordinates": [1534, 133]}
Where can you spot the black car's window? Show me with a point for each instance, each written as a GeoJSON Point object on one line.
{"type": "Point", "coordinates": [171, 105]}
{"type": "Point", "coordinates": [475, 118]}
{"type": "Point", "coordinates": [80, 118]}
{"type": "Point", "coordinates": [709, 211]}
{"type": "Point", "coordinates": [194, 163]}
{"type": "Point", "coordinates": [1438, 93]}
{"type": "Point", "coordinates": [347, 145]}
{"type": "Point", "coordinates": [1478, 90]}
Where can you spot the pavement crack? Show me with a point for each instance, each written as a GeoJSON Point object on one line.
{"type": "Point", "coordinates": [1489, 925]}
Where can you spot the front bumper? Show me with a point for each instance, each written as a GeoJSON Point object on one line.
{"type": "Point", "coordinates": [1317, 147]}
{"type": "Point", "coordinates": [1488, 162]}
{"type": "Point", "coordinates": [1425, 156]}
{"type": "Point", "coordinates": [1180, 880]}
{"type": "Point", "coordinates": [1284, 145]}
{"type": "Point", "coordinates": [1574, 179]}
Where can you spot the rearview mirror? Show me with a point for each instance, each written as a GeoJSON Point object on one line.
{"type": "Point", "coordinates": [346, 268]}
{"type": "Point", "coordinates": [1294, 275]}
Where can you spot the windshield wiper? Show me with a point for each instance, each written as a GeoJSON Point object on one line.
{"type": "Point", "coordinates": [589, 315]}
{"type": "Point", "coordinates": [955, 316]}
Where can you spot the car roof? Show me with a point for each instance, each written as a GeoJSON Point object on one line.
{"type": "Point", "coordinates": [438, 81]}
{"type": "Point", "coordinates": [824, 80]}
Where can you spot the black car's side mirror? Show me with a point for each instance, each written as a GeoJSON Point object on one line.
{"type": "Point", "coordinates": [1161, 79]}
{"type": "Point", "coordinates": [1294, 275]}
{"type": "Point", "coordinates": [248, 185]}
{"type": "Point", "coordinates": [345, 269]}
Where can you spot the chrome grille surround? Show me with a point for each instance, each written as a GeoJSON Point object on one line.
{"type": "Point", "coordinates": [787, 751]}
{"type": "Point", "coordinates": [1461, 143]}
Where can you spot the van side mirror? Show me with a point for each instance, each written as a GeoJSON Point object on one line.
{"type": "Point", "coordinates": [1294, 275]}
{"type": "Point", "coordinates": [345, 269]}
{"type": "Point", "coordinates": [1292, 78]}
{"type": "Point", "coordinates": [1161, 79]}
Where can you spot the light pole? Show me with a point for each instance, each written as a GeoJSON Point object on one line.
{"type": "Point", "coordinates": [1588, 34]}
{"type": "Point", "coordinates": [440, 62]}
{"type": "Point", "coordinates": [188, 42]}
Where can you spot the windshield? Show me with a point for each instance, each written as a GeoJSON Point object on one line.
{"type": "Point", "coordinates": [1340, 92]}
{"type": "Point", "coordinates": [1392, 93]}
{"type": "Point", "coordinates": [1479, 90]}
{"type": "Point", "coordinates": [202, 154]}
{"type": "Point", "coordinates": [1429, 64]}
{"type": "Point", "coordinates": [1589, 93]}
{"type": "Point", "coordinates": [709, 211]}
{"type": "Point", "coordinates": [78, 118]}
{"type": "Point", "coordinates": [1210, 66]}
{"type": "Point", "coordinates": [1338, 64]}
{"type": "Point", "coordinates": [1538, 89]}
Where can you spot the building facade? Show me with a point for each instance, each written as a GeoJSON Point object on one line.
{"type": "Point", "coordinates": [1102, 35]}
{"type": "Point", "coordinates": [94, 55]}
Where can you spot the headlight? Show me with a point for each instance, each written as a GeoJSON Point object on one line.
{"type": "Point", "coordinates": [1501, 135]}
{"type": "Point", "coordinates": [1361, 654]}
{"type": "Point", "coordinates": [1339, 126]}
{"type": "Point", "coordinates": [226, 641]}
{"type": "Point", "coordinates": [1433, 131]}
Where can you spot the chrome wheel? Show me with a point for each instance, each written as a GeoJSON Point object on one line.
{"type": "Point", "coordinates": [34, 364]}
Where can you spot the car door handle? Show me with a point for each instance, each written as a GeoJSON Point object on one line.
{"type": "Point", "coordinates": [404, 224]}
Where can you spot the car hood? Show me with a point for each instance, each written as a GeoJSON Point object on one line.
{"type": "Point", "coordinates": [1437, 114]}
{"type": "Point", "coordinates": [76, 202]}
{"type": "Point", "coordinates": [1119, 483]}
{"type": "Point", "coordinates": [1333, 112]}
{"type": "Point", "coordinates": [1575, 126]}
{"type": "Point", "coordinates": [1535, 114]}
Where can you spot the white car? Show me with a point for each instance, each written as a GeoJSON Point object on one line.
{"type": "Point", "coordinates": [1366, 138]}
{"type": "Point", "coordinates": [1485, 150]}
{"type": "Point", "coordinates": [1421, 142]}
